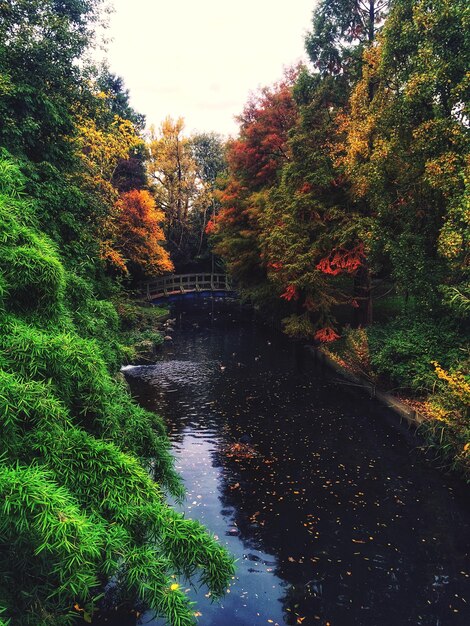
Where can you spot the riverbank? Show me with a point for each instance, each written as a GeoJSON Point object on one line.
{"type": "Point", "coordinates": [437, 406]}
{"type": "Point", "coordinates": [142, 329]}
{"type": "Point", "coordinates": [415, 364]}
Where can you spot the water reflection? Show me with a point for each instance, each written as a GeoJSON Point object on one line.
{"type": "Point", "coordinates": [333, 513]}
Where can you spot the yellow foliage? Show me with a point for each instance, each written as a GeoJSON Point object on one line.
{"type": "Point", "coordinates": [457, 382]}
{"type": "Point", "coordinates": [101, 150]}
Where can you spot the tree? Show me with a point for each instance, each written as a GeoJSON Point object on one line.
{"type": "Point", "coordinates": [209, 155]}
{"type": "Point", "coordinates": [113, 97]}
{"type": "Point", "coordinates": [41, 83]}
{"type": "Point", "coordinates": [173, 173]}
{"type": "Point", "coordinates": [261, 149]}
{"type": "Point", "coordinates": [136, 236]}
{"type": "Point", "coordinates": [341, 29]}
{"type": "Point", "coordinates": [407, 147]}
{"type": "Point", "coordinates": [255, 160]}
{"type": "Point", "coordinates": [116, 96]}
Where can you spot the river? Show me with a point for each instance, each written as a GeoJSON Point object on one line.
{"type": "Point", "coordinates": [330, 506]}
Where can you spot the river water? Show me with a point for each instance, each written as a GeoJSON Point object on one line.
{"type": "Point", "coordinates": [331, 508]}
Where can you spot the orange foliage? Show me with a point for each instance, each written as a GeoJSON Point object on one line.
{"type": "Point", "coordinates": [136, 236]}
{"type": "Point", "coordinates": [326, 335]}
{"type": "Point", "coordinates": [211, 225]}
{"type": "Point", "coordinates": [262, 147]}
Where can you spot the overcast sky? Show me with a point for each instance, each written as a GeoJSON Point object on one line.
{"type": "Point", "coordinates": [199, 59]}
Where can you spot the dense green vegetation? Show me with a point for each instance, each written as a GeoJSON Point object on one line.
{"type": "Point", "coordinates": [346, 202]}
{"type": "Point", "coordinates": [84, 472]}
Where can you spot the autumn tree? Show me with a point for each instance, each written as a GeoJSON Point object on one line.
{"type": "Point", "coordinates": [408, 147]}
{"type": "Point", "coordinates": [173, 173]}
{"type": "Point", "coordinates": [130, 171]}
{"type": "Point", "coordinates": [136, 236]}
{"type": "Point", "coordinates": [308, 218]}
{"type": "Point", "coordinates": [255, 160]}
{"type": "Point", "coordinates": [341, 31]}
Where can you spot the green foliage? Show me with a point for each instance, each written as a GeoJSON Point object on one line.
{"type": "Point", "coordinates": [84, 471]}
{"type": "Point", "coordinates": [340, 29]}
{"type": "Point", "coordinates": [402, 350]}
{"type": "Point", "coordinates": [457, 298]}
{"type": "Point", "coordinates": [68, 211]}
{"type": "Point", "coordinates": [137, 316]}
{"type": "Point", "coordinates": [95, 319]}
{"type": "Point", "coordinates": [43, 526]}
{"type": "Point", "coordinates": [40, 41]}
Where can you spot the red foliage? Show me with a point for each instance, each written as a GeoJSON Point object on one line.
{"type": "Point", "coordinates": [326, 335]}
{"type": "Point", "coordinates": [290, 293]}
{"type": "Point", "coordinates": [211, 226]}
{"type": "Point", "coordinates": [276, 266]}
{"type": "Point", "coordinates": [338, 181]}
{"type": "Point", "coordinates": [342, 261]}
{"type": "Point", "coordinates": [264, 125]}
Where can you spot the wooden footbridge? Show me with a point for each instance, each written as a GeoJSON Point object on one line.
{"type": "Point", "coordinates": [176, 284]}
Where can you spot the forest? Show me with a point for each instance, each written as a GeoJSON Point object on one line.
{"type": "Point", "coordinates": [341, 209]}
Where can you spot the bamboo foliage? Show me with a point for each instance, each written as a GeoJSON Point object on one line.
{"type": "Point", "coordinates": [84, 472]}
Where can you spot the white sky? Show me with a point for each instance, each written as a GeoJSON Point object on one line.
{"type": "Point", "coordinates": [199, 59]}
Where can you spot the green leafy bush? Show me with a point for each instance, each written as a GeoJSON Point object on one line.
{"type": "Point", "coordinates": [402, 350]}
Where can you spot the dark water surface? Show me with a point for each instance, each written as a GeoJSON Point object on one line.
{"type": "Point", "coordinates": [332, 511]}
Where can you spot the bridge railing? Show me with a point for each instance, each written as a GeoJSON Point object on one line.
{"type": "Point", "coordinates": [185, 283]}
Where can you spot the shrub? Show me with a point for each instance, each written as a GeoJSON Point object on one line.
{"type": "Point", "coordinates": [403, 349]}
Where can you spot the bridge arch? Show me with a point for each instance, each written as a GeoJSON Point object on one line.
{"type": "Point", "coordinates": [174, 284]}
